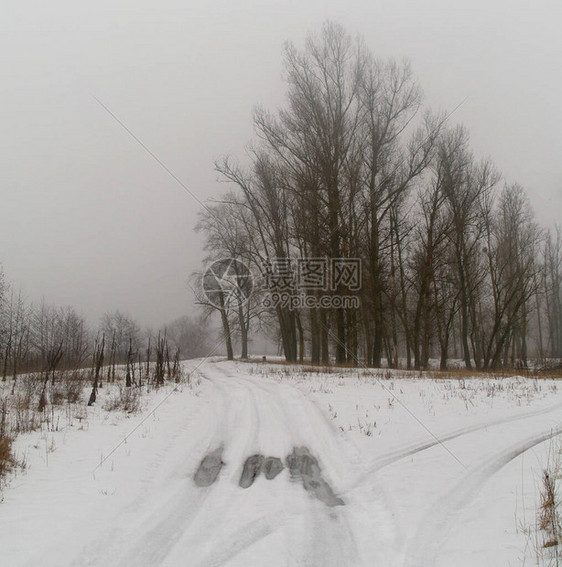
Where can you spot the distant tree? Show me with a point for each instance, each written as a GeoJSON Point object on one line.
{"type": "Point", "coordinates": [217, 304]}
{"type": "Point", "coordinates": [76, 338]}
{"type": "Point", "coordinates": [19, 332]}
{"type": "Point", "coordinates": [6, 327]}
{"type": "Point", "coordinates": [3, 309]}
{"type": "Point", "coordinates": [552, 289]}
{"type": "Point", "coordinates": [97, 362]}
{"type": "Point", "coordinates": [190, 336]}
{"type": "Point", "coordinates": [49, 338]}
{"type": "Point", "coordinates": [227, 236]}
{"type": "Point", "coordinates": [123, 331]}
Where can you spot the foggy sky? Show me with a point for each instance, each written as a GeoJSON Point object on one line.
{"type": "Point", "coordinates": [88, 218]}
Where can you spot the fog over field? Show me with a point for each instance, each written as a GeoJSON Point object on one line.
{"type": "Point", "coordinates": [280, 283]}
{"type": "Point", "coordinates": [89, 218]}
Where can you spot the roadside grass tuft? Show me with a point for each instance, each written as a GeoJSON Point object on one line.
{"type": "Point", "coordinates": [127, 399]}
{"type": "Point", "coordinates": [549, 519]}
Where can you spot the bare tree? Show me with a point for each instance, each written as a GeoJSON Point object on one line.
{"type": "Point", "coordinates": [49, 338]}
{"type": "Point", "coordinates": [4, 320]}
{"type": "Point", "coordinates": [432, 232]}
{"type": "Point", "coordinates": [552, 289]}
{"type": "Point", "coordinates": [190, 336]}
{"type": "Point", "coordinates": [98, 358]}
{"type": "Point", "coordinates": [123, 329]}
{"type": "Point", "coordinates": [20, 330]}
{"type": "Point", "coordinates": [268, 228]}
{"type": "Point", "coordinates": [228, 237]}
{"type": "Point", "coordinates": [512, 247]}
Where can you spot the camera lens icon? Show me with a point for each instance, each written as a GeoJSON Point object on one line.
{"type": "Point", "coordinates": [227, 283]}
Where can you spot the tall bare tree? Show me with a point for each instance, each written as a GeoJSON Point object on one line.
{"type": "Point", "coordinates": [512, 248]}
{"type": "Point", "coordinates": [552, 289]}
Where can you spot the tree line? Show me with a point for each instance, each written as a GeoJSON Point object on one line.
{"type": "Point", "coordinates": [454, 263]}
{"type": "Point", "coordinates": [46, 338]}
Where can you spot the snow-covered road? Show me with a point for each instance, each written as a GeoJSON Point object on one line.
{"type": "Point", "coordinates": [275, 520]}
{"type": "Point", "coordinates": [412, 498]}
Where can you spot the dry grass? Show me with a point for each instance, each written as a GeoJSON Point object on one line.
{"type": "Point", "coordinates": [64, 401]}
{"type": "Point", "coordinates": [549, 520]}
{"type": "Point", "coordinates": [545, 536]}
{"type": "Point", "coordinates": [549, 372]}
{"type": "Point", "coordinates": [306, 365]}
{"type": "Point", "coordinates": [7, 459]}
{"type": "Point", "coordinates": [463, 373]}
{"type": "Point", "coordinates": [69, 390]}
{"type": "Point", "coordinates": [126, 399]}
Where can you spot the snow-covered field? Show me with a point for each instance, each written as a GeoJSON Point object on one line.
{"type": "Point", "coordinates": [431, 472]}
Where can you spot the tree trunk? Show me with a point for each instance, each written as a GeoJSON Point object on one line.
{"type": "Point", "coordinates": [227, 335]}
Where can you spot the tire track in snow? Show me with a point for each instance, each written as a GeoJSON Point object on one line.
{"type": "Point", "coordinates": [255, 530]}
{"type": "Point", "coordinates": [147, 542]}
{"type": "Point", "coordinates": [395, 456]}
{"type": "Point", "coordinates": [186, 515]}
{"type": "Point", "coordinates": [433, 529]}
{"type": "Point", "coordinates": [247, 409]}
{"type": "Point", "coordinates": [328, 538]}
{"type": "Point", "coordinates": [239, 436]}
{"type": "Point", "coordinates": [270, 404]}
{"type": "Point", "coordinates": [242, 539]}
{"type": "Point", "coordinates": [493, 466]}
{"type": "Point", "coordinates": [182, 510]}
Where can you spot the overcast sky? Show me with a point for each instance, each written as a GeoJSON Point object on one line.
{"type": "Point", "coordinates": [89, 219]}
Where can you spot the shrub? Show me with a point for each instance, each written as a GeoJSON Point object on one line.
{"type": "Point", "coordinates": [68, 391]}
{"type": "Point", "coordinates": [127, 399]}
{"type": "Point", "coordinates": [7, 460]}
{"type": "Point", "coordinates": [549, 514]}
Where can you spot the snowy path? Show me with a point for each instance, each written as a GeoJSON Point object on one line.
{"type": "Point", "coordinates": [406, 507]}
{"type": "Point", "coordinates": [260, 417]}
